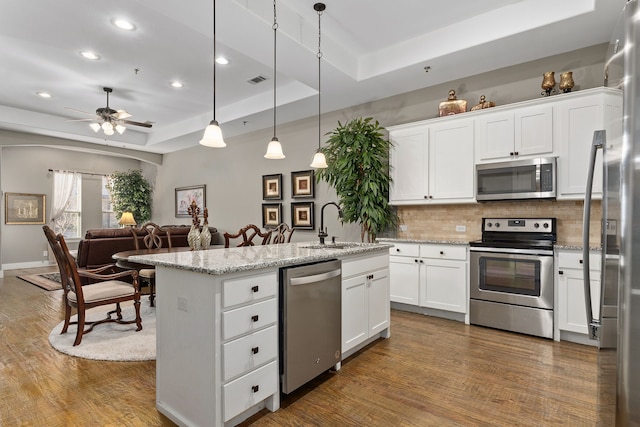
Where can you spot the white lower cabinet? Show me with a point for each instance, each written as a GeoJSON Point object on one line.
{"type": "Point", "coordinates": [570, 307]}
{"type": "Point", "coordinates": [365, 301]}
{"type": "Point", "coordinates": [429, 275]}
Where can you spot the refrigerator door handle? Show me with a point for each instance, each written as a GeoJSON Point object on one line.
{"type": "Point", "coordinates": [599, 139]}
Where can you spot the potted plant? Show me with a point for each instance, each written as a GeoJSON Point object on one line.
{"type": "Point", "coordinates": [358, 159]}
{"type": "Point", "coordinates": [130, 192]}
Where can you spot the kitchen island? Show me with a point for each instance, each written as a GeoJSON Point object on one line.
{"type": "Point", "coordinates": [217, 323]}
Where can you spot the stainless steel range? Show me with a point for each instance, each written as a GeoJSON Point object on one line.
{"type": "Point", "coordinates": [511, 275]}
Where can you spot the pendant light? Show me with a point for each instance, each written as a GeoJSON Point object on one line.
{"type": "Point", "coordinates": [213, 134]}
{"type": "Point", "coordinates": [274, 149]}
{"type": "Point", "coordinates": [319, 160]}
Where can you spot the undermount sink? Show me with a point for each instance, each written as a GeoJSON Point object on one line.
{"type": "Point", "coordinates": [332, 246]}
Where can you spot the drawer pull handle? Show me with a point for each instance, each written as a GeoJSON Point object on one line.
{"type": "Point", "coordinates": [560, 272]}
{"type": "Point", "coordinates": [255, 350]}
{"type": "Point", "coordinates": [441, 252]}
{"type": "Point", "coordinates": [255, 288]}
{"type": "Point", "coordinates": [255, 388]}
{"type": "Point", "coordinates": [580, 261]}
{"type": "Point", "coordinates": [254, 318]}
{"type": "Point", "coordinates": [415, 260]}
{"type": "Point", "coordinates": [397, 249]}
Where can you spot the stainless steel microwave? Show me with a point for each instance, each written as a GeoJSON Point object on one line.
{"type": "Point", "coordinates": [518, 179]}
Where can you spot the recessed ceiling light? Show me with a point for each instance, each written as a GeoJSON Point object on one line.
{"type": "Point", "coordinates": [176, 84]}
{"type": "Point", "coordinates": [123, 24]}
{"type": "Point", "coordinates": [43, 94]}
{"type": "Point", "coordinates": [222, 60]}
{"type": "Point", "coordinates": [90, 55]}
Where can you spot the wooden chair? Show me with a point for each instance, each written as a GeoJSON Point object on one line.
{"type": "Point", "coordinates": [151, 240]}
{"type": "Point", "coordinates": [104, 290]}
{"type": "Point", "coordinates": [282, 234]}
{"type": "Point", "coordinates": [248, 233]}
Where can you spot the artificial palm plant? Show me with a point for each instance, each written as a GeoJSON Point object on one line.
{"type": "Point", "coordinates": [358, 168]}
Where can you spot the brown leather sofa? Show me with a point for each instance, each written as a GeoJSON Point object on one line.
{"type": "Point", "coordinates": [98, 245]}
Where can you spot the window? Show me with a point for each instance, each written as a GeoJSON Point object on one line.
{"type": "Point", "coordinates": [109, 219]}
{"type": "Point", "coordinates": [69, 222]}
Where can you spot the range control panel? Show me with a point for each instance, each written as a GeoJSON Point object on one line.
{"type": "Point", "coordinates": [526, 225]}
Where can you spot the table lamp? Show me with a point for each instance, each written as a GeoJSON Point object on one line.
{"type": "Point", "coordinates": [126, 220]}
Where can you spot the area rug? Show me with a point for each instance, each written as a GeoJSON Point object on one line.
{"type": "Point", "coordinates": [111, 341]}
{"type": "Point", "coordinates": [47, 281]}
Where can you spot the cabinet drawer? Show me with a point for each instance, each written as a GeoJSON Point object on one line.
{"type": "Point", "coordinates": [405, 249]}
{"type": "Point", "coordinates": [361, 265]}
{"type": "Point", "coordinates": [247, 289]}
{"type": "Point", "coordinates": [250, 389]}
{"type": "Point", "coordinates": [458, 252]}
{"type": "Point", "coordinates": [244, 354]}
{"type": "Point", "coordinates": [246, 319]}
{"type": "Point", "coordinates": [574, 260]}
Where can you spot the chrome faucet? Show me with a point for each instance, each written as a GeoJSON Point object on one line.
{"type": "Point", "coordinates": [322, 232]}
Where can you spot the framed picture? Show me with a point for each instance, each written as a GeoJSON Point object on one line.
{"type": "Point", "coordinates": [302, 184]}
{"type": "Point", "coordinates": [271, 214]}
{"type": "Point", "coordinates": [272, 187]}
{"type": "Point", "coordinates": [302, 215]}
{"type": "Point", "coordinates": [22, 208]}
{"type": "Point", "coordinates": [186, 195]}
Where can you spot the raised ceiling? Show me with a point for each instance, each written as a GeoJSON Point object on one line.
{"type": "Point", "coordinates": [371, 49]}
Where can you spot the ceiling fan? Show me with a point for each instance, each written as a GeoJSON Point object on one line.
{"type": "Point", "coordinates": [109, 119]}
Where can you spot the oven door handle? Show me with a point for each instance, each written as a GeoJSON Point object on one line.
{"type": "Point", "coordinates": [599, 141]}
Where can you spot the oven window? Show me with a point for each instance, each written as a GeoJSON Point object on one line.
{"type": "Point", "coordinates": [515, 276]}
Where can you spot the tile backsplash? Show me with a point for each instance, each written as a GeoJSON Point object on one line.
{"type": "Point", "coordinates": [439, 222]}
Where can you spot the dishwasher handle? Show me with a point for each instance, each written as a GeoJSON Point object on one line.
{"type": "Point", "coordinates": [305, 280]}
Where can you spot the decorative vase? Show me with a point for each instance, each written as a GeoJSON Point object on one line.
{"type": "Point", "coordinates": [194, 237]}
{"type": "Point", "coordinates": [548, 83]}
{"type": "Point", "coordinates": [566, 81]}
{"type": "Point", "coordinates": [205, 236]}
{"type": "Point", "coordinates": [452, 105]}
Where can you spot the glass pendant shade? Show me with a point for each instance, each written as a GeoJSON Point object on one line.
{"type": "Point", "coordinates": [274, 150]}
{"type": "Point", "coordinates": [319, 161]}
{"type": "Point", "coordinates": [107, 126]}
{"type": "Point", "coordinates": [213, 136]}
{"type": "Point", "coordinates": [95, 126]}
{"type": "Point", "coordinates": [109, 131]}
{"type": "Point", "coordinates": [120, 129]}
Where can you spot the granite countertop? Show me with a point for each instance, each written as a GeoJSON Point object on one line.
{"type": "Point", "coordinates": [433, 241]}
{"type": "Point", "coordinates": [232, 260]}
{"type": "Point", "coordinates": [575, 247]}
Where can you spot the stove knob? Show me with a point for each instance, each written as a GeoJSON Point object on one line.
{"type": "Point", "coordinates": [497, 225]}
{"type": "Point", "coordinates": [489, 225]}
{"type": "Point", "coordinates": [536, 225]}
{"type": "Point", "coordinates": [545, 225]}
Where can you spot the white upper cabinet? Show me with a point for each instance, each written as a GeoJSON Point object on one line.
{"type": "Point", "coordinates": [432, 163]}
{"type": "Point", "coordinates": [577, 118]}
{"type": "Point", "coordinates": [515, 133]}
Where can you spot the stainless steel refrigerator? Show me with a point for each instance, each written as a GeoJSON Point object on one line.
{"type": "Point", "coordinates": [617, 328]}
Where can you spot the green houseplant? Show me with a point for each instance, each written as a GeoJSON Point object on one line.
{"type": "Point", "coordinates": [358, 159]}
{"type": "Point", "coordinates": [130, 192]}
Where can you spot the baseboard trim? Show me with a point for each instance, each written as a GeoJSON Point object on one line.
{"type": "Point", "coordinates": [30, 264]}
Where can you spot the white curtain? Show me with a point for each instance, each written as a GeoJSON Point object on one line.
{"type": "Point", "coordinates": [63, 183]}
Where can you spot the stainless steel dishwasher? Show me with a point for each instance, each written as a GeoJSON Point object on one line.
{"type": "Point", "coordinates": [310, 321]}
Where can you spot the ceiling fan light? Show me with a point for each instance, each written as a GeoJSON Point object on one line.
{"type": "Point", "coordinates": [120, 129]}
{"type": "Point", "coordinates": [107, 126]}
{"type": "Point", "coordinates": [213, 136]}
{"type": "Point", "coordinates": [319, 161]}
{"type": "Point", "coordinates": [108, 131]}
{"type": "Point", "coordinates": [95, 126]}
{"type": "Point", "coordinates": [274, 150]}
{"type": "Point", "coordinates": [121, 114]}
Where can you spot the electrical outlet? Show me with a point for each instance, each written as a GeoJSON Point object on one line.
{"type": "Point", "coordinates": [182, 304]}
{"type": "Point", "coordinates": [403, 227]}
{"type": "Point", "coordinates": [45, 253]}
{"type": "Point", "coordinates": [461, 228]}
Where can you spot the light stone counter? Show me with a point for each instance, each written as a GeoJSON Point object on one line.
{"type": "Point", "coordinates": [233, 260]}
{"type": "Point", "coordinates": [426, 241]}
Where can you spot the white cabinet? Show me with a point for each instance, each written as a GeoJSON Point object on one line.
{"type": "Point", "coordinates": [576, 119]}
{"type": "Point", "coordinates": [432, 163]}
{"type": "Point", "coordinates": [570, 307]}
{"type": "Point", "coordinates": [365, 301]}
{"type": "Point", "coordinates": [518, 132]}
{"type": "Point", "coordinates": [429, 275]}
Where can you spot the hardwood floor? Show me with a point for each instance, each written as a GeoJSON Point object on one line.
{"type": "Point", "coordinates": [431, 372]}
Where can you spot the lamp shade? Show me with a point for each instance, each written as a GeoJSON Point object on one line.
{"type": "Point", "coordinates": [95, 126]}
{"type": "Point", "coordinates": [213, 136]}
{"type": "Point", "coordinates": [319, 161]}
{"type": "Point", "coordinates": [274, 150]}
{"type": "Point", "coordinates": [127, 219]}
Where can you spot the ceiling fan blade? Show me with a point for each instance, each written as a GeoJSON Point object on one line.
{"type": "Point", "coordinates": [80, 111]}
{"type": "Point", "coordinates": [146, 124]}
{"type": "Point", "coordinates": [121, 114]}
{"type": "Point", "coordinates": [81, 120]}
